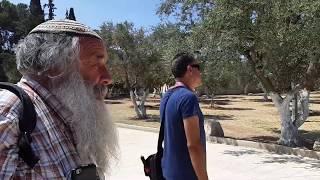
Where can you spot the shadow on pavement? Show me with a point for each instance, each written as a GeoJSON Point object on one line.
{"type": "Point", "coordinates": [311, 163]}
{"type": "Point", "coordinates": [276, 158]}
{"type": "Point", "coordinates": [241, 152]}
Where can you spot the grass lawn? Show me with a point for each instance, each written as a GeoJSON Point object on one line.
{"type": "Point", "coordinates": [241, 116]}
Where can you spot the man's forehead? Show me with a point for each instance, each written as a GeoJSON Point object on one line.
{"type": "Point", "coordinates": [91, 45]}
{"type": "Point", "coordinates": [88, 43]}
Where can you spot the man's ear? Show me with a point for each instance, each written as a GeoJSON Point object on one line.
{"type": "Point", "coordinates": [189, 68]}
{"type": "Point", "coordinates": [56, 72]}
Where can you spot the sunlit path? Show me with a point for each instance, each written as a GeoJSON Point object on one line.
{"type": "Point", "coordinates": [224, 162]}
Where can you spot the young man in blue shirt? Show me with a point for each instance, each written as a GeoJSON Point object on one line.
{"type": "Point", "coordinates": [184, 156]}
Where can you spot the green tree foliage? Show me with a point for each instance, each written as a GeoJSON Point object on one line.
{"type": "Point", "coordinates": [168, 40]}
{"type": "Point", "coordinates": [278, 40]}
{"type": "Point", "coordinates": [132, 55]}
{"type": "Point", "coordinates": [133, 61]}
{"type": "Point", "coordinates": [274, 36]}
{"type": "Point", "coordinates": [218, 66]}
{"type": "Point", "coordinates": [15, 22]}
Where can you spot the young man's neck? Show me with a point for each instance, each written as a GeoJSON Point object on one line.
{"type": "Point", "coordinates": [184, 82]}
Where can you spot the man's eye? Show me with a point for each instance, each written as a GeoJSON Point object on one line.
{"type": "Point", "coordinates": [100, 56]}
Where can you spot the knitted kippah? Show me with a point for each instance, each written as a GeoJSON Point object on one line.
{"type": "Point", "coordinates": [64, 26]}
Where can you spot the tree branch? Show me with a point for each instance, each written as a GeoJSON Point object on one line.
{"type": "Point", "coordinates": [258, 71]}
{"type": "Point", "coordinates": [311, 74]}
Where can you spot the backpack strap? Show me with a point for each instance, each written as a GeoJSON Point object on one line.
{"type": "Point", "coordinates": [161, 133]}
{"type": "Point", "coordinates": [27, 123]}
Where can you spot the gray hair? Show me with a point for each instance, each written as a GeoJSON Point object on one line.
{"type": "Point", "coordinates": [39, 53]}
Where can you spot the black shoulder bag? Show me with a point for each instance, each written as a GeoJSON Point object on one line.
{"type": "Point", "coordinates": [152, 165]}
{"type": "Point", "coordinates": [27, 123]}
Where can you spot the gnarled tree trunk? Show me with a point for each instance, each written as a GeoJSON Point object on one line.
{"type": "Point", "coordinates": [292, 117]}
{"type": "Point", "coordinates": [246, 88]}
{"type": "Point", "coordinates": [139, 103]}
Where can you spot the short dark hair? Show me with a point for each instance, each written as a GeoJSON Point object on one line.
{"type": "Point", "coordinates": [180, 63]}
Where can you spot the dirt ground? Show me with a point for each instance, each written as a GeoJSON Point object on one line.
{"type": "Point", "coordinates": [241, 116]}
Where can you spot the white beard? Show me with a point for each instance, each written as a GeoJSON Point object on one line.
{"type": "Point", "coordinates": [94, 132]}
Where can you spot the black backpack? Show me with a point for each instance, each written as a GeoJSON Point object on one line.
{"type": "Point", "coordinates": [152, 165]}
{"type": "Point", "coordinates": [27, 123]}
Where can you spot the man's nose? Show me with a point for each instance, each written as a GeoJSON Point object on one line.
{"type": "Point", "coordinates": [106, 78]}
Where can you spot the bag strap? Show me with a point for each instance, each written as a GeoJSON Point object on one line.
{"type": "Point", "coordinates": [161, 133]}
{"type": "Point", "coordinates": [27, 123]}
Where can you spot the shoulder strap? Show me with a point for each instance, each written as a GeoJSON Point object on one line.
{"type": "Point", "coordinates": [161, 133]}
{"type": "Point", "coordinates": [27, 123]}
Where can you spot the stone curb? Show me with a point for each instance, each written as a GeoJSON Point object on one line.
{"type": "Point", "coordinates": [278, 149]}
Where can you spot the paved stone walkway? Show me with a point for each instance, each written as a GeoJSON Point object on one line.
{"type": "Point", "coordinates": [224, 162]}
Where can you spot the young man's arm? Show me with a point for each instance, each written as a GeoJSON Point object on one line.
{"type": "Point", "coordinates": [196, 150]}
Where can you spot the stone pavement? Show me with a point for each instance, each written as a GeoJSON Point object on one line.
{"type": "Point", "coordinates": [225, 162]}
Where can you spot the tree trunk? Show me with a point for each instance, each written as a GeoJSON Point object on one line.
{"type": "Point", "coordinates": [289, 130]}
{"type": "Point", "coordinates": [212, 101]}
{"type": "Point", "coordinates": [140, 108]}
{"type": "Point", "coordinates": [303, 107]}
{"type": "Point", "coordinates": [245, 89]}
{"type": "Point", "coordinates": [134, 102]}
{"type": "Point", "coordinates": [110, 92]}
{"type": "Point", "coordinates": [265, 94]}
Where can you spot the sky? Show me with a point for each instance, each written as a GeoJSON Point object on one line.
{"type": "Point", "coordinates": [94, 12]}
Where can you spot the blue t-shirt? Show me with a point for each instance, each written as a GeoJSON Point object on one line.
{"type": "Point", "coordinates": [182, 103]}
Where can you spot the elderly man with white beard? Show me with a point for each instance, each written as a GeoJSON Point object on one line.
{"type": "Point", "coordinates": [63, 64]}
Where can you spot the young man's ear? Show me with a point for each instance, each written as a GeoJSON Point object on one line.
{"type": "Point", "coordinates": [189, 68]}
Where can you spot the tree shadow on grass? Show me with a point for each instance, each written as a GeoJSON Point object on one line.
{"type": "Point", "coordinates": [219, 117]}
{"type": "Point", "coordinates": [218, 102]}
{"type": "Point", "coordinates": [150, 118]}
{"type": "Point", "coordinates": [153, 107]}
{"type": "Point", "coordinates": [307, 137]}
{"type": "Point", "coordinates": [269, 105]}
{"type": "Point", "coordinates": [260, 100]}
{"type": "Point", "coordinates": [228, 108]}
{"type": "Point", "coordinates": [314, 101]}
{"type": "Point", "coordinates": [156, 118]}
{"type": "Point", "coordinates": [153, 100]}
{"type": "Point", "coordinates": [264, 139]}
{"type": "Point", "coordinates": [153, 118]}
{"type": "Point", "coordinates": [313, 135]}
{"type": "Point", "coordinates": [227, 97]}
{"type": "Point", "coordinates": [314, 113]}
{"type": "Point", "coordinates": [107, 101]}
